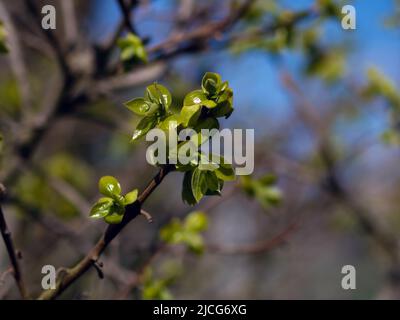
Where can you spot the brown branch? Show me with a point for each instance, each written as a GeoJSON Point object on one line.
{"type": "Point", "coordinates": [125, 9]}
{"type": "Point", "coordinates": [132, 211]}
{"type": "Point", "coordinates": [172, 45]}
{"type": "Point", "coordinates": [332, 183]}
{"type": "Point", "coordinates": [71, 27]}
{"type": "Point", "coordinates": [258, 247]}
{"type": "Point", "coordinates": [12, 253]}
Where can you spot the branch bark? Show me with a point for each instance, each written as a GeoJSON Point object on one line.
{"type": "Point", "coordinates": [12, 253]}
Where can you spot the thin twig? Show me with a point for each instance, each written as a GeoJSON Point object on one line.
{"type": "Point", "coordinates": [12, 253]}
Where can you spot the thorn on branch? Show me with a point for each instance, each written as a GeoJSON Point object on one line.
{"type": "Point", "coordinates": [147, 215]}
{"type": "Point", "coordinates": [98, 265]}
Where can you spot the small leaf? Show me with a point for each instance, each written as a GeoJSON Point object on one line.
{"type": "Point", "coordinates": [225, 171]}
{"type": "Point", "coordinates": [141, 107]}
{"type": "Point", "coordinates": [172, 232]}
{"type": "Point", "coordinates": [190, 114]}
{"type": "Point", "coordinates": [195, 242]}
{"type": "Point", "coordinates": [131, 197]}
{"type": "Point", "coordinates": [109, 186]}
{"type": "Point", "coordinates": [194, 97]}
{"type": "Point", "coordinates": [224, 109]}
{"type": "Point", "coordinates": [114, 218]}
{"type": "Point", "coordinates": [171, 122]}
{"type": "Point", "coordinates": [159, 94]}
{"type": "Point", "coordinates": [196, 221]}
{"type": "Point", "coordinates": [212, 181]}
{"type": "Point", "coordinates": [187, 195]}
{"type": "Point", "coordinates": [144, 126]}
{"type": "Point", "coordinates": [132, 48]}
{"type": "Point", "coordinates": [101, 208]}
{"type": "Point", "coordinates": [211, 83]}
{"type": "Point", "coordinates": [198, 184]}
{"type": "Point", "coordinates": [209, 104]}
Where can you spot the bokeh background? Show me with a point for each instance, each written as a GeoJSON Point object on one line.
{"type": "Point", "coordinates": [325, 109]}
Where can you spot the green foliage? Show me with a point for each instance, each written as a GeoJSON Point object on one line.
{"type": "Point", "coordinates": [132, 50]}
{"type": "Point", "coordinates": [3, 38]}
{"type": "Point", "coordinates": [154, 107]}
{"type": "Point", "coordinates": [380, 86]}
{"type": "Point", "coordinates": [112, 206]}
{"type": "Point", "coordinates": [330, 8]}
{"type": "Point", "coordinates": [10, 98]}
{"type": "Point", "coordinates": [263, 190]}
{"type": "Point", "coordinates": [155, 284]}
{"type": "Point", "coordinates": [201, 110]}
{"type": "Point", "coordinates": [186, 232]}
{"type": "Point", "coordinates": [68, 168]}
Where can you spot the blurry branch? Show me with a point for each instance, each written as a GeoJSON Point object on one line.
{"type": "Point", "coordinates": [255, 248]}
{"type": "Point", "coordinates": [291, 20]}
{"type": "Point", "coordinates": [132, 211]}
{"type": "Point", "coordinates": [126, 13]}
{"type": "Point", "coordinates": [195, 38]}
{"type": "Point", "coordinates": [332, 183]}
{"type": "Point", "coordinates": [51, 38]}
{"type": "Point", "coordinates": [70, 22]}
{"type": "Point", "coordinates": [131, 79]}
{"type": "Point", "coordinates": [12, 253]}
{"type": "Point", "coordinates": [16, 57]}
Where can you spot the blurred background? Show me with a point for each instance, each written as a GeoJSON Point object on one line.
{"type": "Point", "coordinates": [325, 106]}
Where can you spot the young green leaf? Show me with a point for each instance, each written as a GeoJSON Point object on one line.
{"type": "Point", "coordinates": [187, 194]}
{"type": "Point", "coordinates": [132, 48]}
{"type": "Point", "coordinates": [159, 94]}
{"type": "Point", "coordinates": [190, 114]}
{"type": "Point", "coordinates": [141, 107]}
{"type": "Point", "coordinates": [101, 208]}
{"type": "Point", "coordinates": [225, 171]}
{"type": "Point", "coordinates": [199, 184]}
{"type": "Point", "coordinates": [195, 242]}
{"type": "Point", "coordinates": [196, 221]}
{"type": "Point", "coordinates": [131, 197]}
{"type": "Point", "coordinates": [194, 97]}
{"type": "Point", "coordinates": [144, 126]}
{"type": "Point", "coordinates": [114, 218]}
{"type": "Point", "coordinates": [211, 83]}
{"type": "Point", "coordinates": [109, 186]}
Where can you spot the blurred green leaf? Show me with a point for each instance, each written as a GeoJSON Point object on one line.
{"type": "Point", "coordinates": [132, 49]}
{"type": "Point", "coordinates": [3, 38]}
{"type": "Point", "coordinates": [196, 221]}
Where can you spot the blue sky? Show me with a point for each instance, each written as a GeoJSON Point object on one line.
{"type": "Point", "coordinates": [254, 76]}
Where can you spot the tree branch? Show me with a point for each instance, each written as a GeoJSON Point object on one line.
{"type": "Point", "coordinates": [12, 253]}
{"type": "Point", "coordinates": [125, 9]}
{"type": "Point", "coordinates": [132, 211]}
